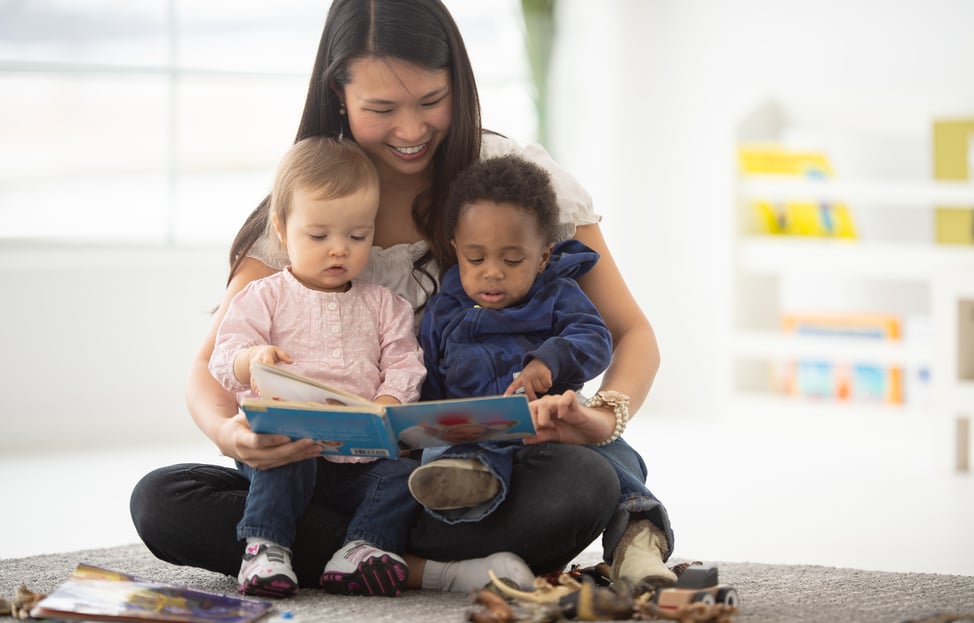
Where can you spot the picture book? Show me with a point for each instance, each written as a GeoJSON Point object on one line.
{"type": "Point", "coordinates": [345, 424]}
{"type": "Point", "coordinates": [953, 160]}
{"type": "Point", "coordinates": [95, 594]}
{"type": "Point", "coordinates": [796, 217]}
{"type": "Point", "coordinates": [844, 380]}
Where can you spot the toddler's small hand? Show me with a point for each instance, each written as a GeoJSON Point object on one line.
{"type": "Point", "coordinates": [535, 379]}
{"type": "Point", "coordinates": [266, 354]}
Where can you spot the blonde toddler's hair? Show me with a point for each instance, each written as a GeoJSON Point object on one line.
{"type": "Point", "coordinates": [334, 167]}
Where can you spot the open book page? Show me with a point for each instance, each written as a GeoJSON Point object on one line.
{"type": "Point", "coordinates": [275, 383]}
{"type": "Point", "coordinates": [345, 424]}
{"type": "Point", "coordinates": [463, 420]}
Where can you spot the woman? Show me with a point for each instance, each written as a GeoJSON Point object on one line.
{"type": "Point", "coordinates": [394, 76]}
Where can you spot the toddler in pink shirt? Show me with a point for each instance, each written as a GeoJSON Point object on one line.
{"type": "Point", "coordinates": [315, 318]}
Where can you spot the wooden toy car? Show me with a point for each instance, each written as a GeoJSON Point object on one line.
{"type": "Point", "coordinates": [696, 585]}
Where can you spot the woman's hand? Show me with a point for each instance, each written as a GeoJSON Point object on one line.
{"type": "Point", "coordinates": [237, 441]}
{"type": "Point", "coordinates": [562, 418]}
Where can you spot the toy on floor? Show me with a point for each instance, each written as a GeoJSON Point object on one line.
{"type": "Point", "coordinates": [23, 601]}
{"type": "Point", "coordinates": [697, 596]}
{"type": "Point", "coordinates": [586, 595]}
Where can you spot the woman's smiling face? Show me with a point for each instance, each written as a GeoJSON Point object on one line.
{"type": "Point", "coordinates": [398, 112]}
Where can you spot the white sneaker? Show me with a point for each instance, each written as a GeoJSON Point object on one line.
{"type": "Point", "coordinates": [266, 571]}
{"type": "Point", "coordinates": [358, 568]}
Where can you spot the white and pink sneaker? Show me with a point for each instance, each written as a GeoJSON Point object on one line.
{"type": "Point", "coordinates": [266, 571]}
{"type": "Point", "coordinates": [359, 568]}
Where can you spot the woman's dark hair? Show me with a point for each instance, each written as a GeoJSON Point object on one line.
{"type": "Point", "coordinates": [504, 179]}
{"type": "Point", "coordinates": [421, 32]}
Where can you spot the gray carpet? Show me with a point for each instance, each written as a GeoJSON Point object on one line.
{"type": "Point", "coordinates": [787, 593]}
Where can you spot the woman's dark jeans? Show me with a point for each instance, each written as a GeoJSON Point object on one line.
{"type": "Point", "coordinates": [562, 498]}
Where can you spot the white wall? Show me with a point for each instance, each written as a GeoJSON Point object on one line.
{"type": "Point", "coordinates": [645, 103]}
{"type": "Point", "coordinates": [644, 115]}
{"type": "Point", "coordinates": [97, 343]}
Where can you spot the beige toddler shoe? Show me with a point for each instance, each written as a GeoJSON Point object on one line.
{"type": "Point", "coordinates": [639, 556]}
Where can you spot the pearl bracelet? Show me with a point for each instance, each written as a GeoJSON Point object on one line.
{"type": "Point", "coordinates": [619, 403]}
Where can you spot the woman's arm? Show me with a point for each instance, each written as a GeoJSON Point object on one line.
{"type": "Point", "coordinates": [215, 410]}
{"type": "Point", "coordinates": [635, 355]}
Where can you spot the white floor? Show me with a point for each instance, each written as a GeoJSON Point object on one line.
{"type": "Point", "coordinates": [869, 492]}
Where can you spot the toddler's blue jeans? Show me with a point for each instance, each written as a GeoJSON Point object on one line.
{"type": "Point", "coordinates": [375, 495]}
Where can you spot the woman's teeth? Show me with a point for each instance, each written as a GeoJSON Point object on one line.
{"type": "Point", "coordinates": [409, 151]}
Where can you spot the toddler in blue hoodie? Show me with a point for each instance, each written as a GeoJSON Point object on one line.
{"type": "Point", "coordinates": [509, 317]}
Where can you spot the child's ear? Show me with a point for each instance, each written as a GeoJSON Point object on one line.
{"type": "Point", "coordinates": [545, 257]}
{"type": "Point", "coordinates": [279, 230]}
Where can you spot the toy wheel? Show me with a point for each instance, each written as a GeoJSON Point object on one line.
{"type": "Point", "coordinates": [728, 596]}
{"type": "Point", "coordinates": [703, 597]}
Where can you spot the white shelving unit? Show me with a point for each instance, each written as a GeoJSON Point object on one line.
{"type": "Point", "coordinates": [893, 266]}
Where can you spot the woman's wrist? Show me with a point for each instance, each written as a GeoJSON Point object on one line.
{"type": "Point", "coordinates": [619, 405]}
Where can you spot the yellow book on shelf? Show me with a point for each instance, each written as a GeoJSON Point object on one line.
{"type": "Point", "coordinates": [795, 217]}
{"type": "Point", "coordinates": [776, 160]}
{"type": "Point", "coordinates": [953, 144]}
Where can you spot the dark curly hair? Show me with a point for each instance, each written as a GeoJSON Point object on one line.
{"type": "Point", "coordinates": [505, 179]}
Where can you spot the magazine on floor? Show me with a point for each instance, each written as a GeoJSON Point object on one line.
{"type": "Point", "coordinates": [95, 594]}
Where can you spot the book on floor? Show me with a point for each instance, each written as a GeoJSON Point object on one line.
{"type": "Point", "coordinates": [95, 594]}
{"type": "Point", "coordinates": [345, 424]}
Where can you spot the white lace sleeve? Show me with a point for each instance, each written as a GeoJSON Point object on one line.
{"type": "Point", "coordinates": [268, 250]}
{"type": "Point", "coordinates": [574, 202]}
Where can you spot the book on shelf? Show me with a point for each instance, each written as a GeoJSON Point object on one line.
{"type": "Point", "coordinates": [345, 424]}
{"type": "Point", "coordinates": [855, 381]}
{"type": "Point", "coordinates": [953, 159]}
{"type": "Point", "coordinates": [95, 594]}
{"type": "Point", "coordinates": [798, 216]}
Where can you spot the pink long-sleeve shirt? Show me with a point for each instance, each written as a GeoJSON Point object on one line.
{"type": "Point", "coordinates": [361, 341]}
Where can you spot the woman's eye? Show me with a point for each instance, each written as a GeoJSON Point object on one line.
{"type": "Point", "coordinates": [434, 103]}
{"type": "Point", "coordinates": [377, 111]}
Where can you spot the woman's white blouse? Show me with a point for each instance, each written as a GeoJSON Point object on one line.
{"type": "Point", "coordinates": [393, 266]}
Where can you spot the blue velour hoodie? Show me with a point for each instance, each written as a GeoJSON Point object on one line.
{"type": "Point", "coordinates": [472, 351]}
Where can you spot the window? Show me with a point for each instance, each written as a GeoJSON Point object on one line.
{"type": "Point", "coordinates": [161, 121]}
